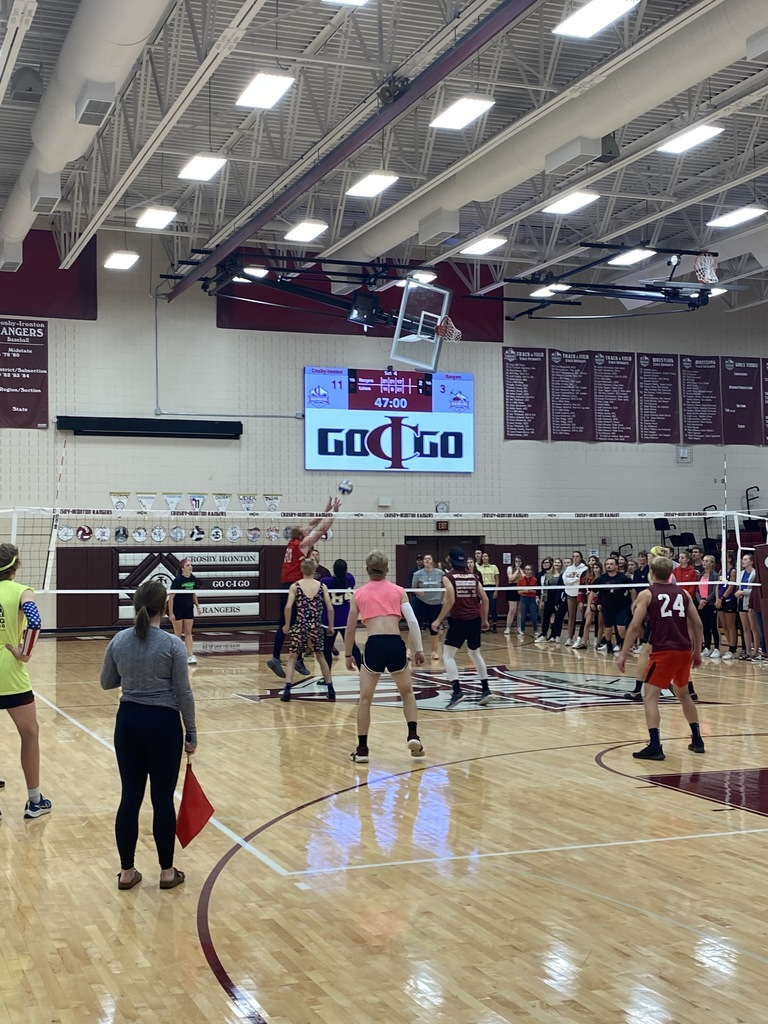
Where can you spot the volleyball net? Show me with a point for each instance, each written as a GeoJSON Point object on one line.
{"type": "Point", "coordinates": [52, 539]}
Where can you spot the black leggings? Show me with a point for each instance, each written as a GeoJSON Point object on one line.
{"type": "Point", "coordinates": [148, 744]}
{"type": "Point", "coordinates": [330, 639]}
{"type": "Point", "coordinates": [708, 616]}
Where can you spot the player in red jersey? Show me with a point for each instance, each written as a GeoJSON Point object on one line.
{"type": "Point", "coordinates": [676, 639]}
{"type": "Point", "coordinates": [299, 546]}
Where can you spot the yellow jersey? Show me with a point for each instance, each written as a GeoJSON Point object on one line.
{"type": "Point", "coordinates": [14, 677]}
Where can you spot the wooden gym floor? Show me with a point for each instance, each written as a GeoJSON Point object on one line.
{"type": "Point", "coordinates": [527, 870]}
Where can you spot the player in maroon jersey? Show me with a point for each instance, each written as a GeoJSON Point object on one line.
{"type": "Point", "coordinates": [301, 543]}
{"type": "Point", "coordinates": [465, 605]}
{"type": "Point", "coordinates": [676, 640]}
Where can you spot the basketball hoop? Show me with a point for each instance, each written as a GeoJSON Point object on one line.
{"type": "Point", "coordinates": [448, 331]}
{"type": "Point", "coordinates": [705, 268]}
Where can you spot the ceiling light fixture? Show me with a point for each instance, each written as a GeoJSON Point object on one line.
{"type": "Point", "coordinates": [483, 246]}
{"type": "Point", "coordinates": [631, 257]}
{"type": "Point", "coordinates": [202, 167]}
{"type": "Point", "coordinates": [463, 112]}
{"type": "Point", "coordinates": [740, 216]}
{"type": "Point", "coordinates": [121, 259]}
{"type": "Point", "coordinates": [571, 203]}
{"type": "Point", "coordinates": [593, 18]}
{"type": "Point", "coordinates": [255, 271]}
{"type": "Point", "coordinates": [265, 90]}
{"type": "Point", "coordinates": [423, 276]}
{"type": "Point", "coordinates": [372, 184]}
{"type": "Point", "coordinates": [241, 280]}
{"type": "Point", "coordinates": [718, 291]}
{"type": "Point", "coordinates": [156, 217]}
{"type": "Point", "coordinates": [346, 3]}
{"type": "Point", "coordinates": [306, 231]}
{"type": "Point", "coordinates": [693, 137]}
{"type": "Point", "coordinates": [556, 286]}
{"type": "Point", "coordinates": [542, 293]}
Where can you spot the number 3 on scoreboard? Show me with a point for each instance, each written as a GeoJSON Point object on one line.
{"type": "Point", "coordinates": [678, 606]}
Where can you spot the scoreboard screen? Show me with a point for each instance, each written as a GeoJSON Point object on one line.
{"type": "Point", "coordinates": [389, 420]}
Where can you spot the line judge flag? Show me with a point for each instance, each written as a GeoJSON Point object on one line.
{"type": "Point", "coordinates": [195, 809]}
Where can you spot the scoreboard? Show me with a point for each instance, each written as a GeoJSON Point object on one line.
{"type": "Point", "coordinates": [388, 420]}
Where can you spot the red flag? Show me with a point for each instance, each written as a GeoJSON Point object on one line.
{"type": "Point", "coordinates": [195, 809]}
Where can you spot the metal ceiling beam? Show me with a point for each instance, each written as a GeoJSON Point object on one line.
{"type": "Point", "coordinates": [477, 38]}
{"type": "Point", "coordinates": [220, 49]}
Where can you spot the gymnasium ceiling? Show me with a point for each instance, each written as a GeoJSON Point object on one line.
{"type": "Point", "coordinates": [664, 66]}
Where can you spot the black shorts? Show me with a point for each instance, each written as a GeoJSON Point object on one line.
{"type": "Point", "coordinates": [385, 653]}
{"type": "Point", "coordinates": [728, 605]}
{"type": "Point", "coordinates": [431, 611]}
{"type": "Point", "coordinates": [616, 616]}
{"type": "Point", "coordinates": [16, 700]}
{"type": "Point", "coordinates": [460, 630]}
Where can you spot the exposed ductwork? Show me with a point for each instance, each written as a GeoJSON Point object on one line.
{"type": "Point", "coordinates": [103, 44]}
{"type": "Point", "coordinates": [703, 46]}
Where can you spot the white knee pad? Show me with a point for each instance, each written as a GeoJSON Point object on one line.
{"type": "Point", "coordinates": [449, 660]}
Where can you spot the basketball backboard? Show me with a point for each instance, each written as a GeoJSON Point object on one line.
{"type": "Point", "coordinates": [417, 342]}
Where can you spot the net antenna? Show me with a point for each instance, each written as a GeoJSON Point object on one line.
{"type": "Point", "coordinates": [705, 268]}
{"type": "Point", "coordinates": [419, 332]}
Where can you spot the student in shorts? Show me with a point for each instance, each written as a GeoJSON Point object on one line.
{"type": "Point", "coordinates": [465, 606]}
{"type": "Point", "coordinates": [182, 603]}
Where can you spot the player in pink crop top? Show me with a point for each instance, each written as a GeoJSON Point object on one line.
{"type": "Point", "coordinates": [381, 605]}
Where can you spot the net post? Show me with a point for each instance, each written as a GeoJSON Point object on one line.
{"type": "Point", "coordinates": [14, 526]}
{"type": "Point", "coordinates": [50, 557]}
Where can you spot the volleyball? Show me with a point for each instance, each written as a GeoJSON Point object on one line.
{"type": "Point", "coordinates": [84, 533]}
{"type": "Point", "coordinates": [345, 487]}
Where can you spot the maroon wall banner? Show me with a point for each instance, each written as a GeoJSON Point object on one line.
{"type": "Point", "coordinates": [570, 396]}
{"type": "Point", "coordinates": [764, 363]}
{"type": "Point", "coordinates": [613, 384]}
{"type": "Point", "coordinates": [525, 394]}
{"type": "Point", "coordinates": [38, 288]}
{"type": "Point", "coordinates": [658, 383]}
{"type": "Point", "coordinates": [702, 404]}
{"type": "Point", "coordinates": [742, 401]}
{"type": "Point", "coordinates": [24, 374]}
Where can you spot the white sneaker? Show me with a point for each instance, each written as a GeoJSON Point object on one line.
{"type": "Point", "coordinates": [578, 644]}
{"type": "Point", "coordinates": [191, 660]}
{"type": "Point", "coordinates": [727, 656]}
{"type": "Point", "coordinates": [715, 654]}
{"type": "Point", "coordinates": [569, 642]}
{"type": "Point", "coordinates": [705, 653]}
{"type": "Point", "coordinates": [507, 631]}
{"type": "Point", "coordinates": [616, 648]}
{"type": "Point", "coordinates": [540, 639]}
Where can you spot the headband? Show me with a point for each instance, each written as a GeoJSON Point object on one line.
{"type": "Point", "coordinates": [10, 565]}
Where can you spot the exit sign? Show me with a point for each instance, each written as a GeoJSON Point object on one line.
{"type": "Point", "coordinates": [441, 525]}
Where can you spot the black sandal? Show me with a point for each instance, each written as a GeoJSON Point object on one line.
{"type": "Point", "coordinates": [178, 878]}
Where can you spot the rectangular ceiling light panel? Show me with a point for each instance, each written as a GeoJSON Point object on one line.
{"type": "Point", "coordinates": [693, 137]}
{"type": "Point", "coordinates": [463, 112]}
{"type": "Point", "coordinates": [202, 167]}
{"type": "Point", "coordinates": [594, 17]}
{"type": "Point", "coordinates": [265, 90]}
{"type": "Point", "coordinates": [571, 203]}
{"type": "Point", "coordinates": [372, 185]}
{"type": "Point", "coordinates": [631, 257]}
{"type": "Point", "coordinates": [483, 246]}
{"type": "Point", "coordinates": [156, 217]}
{"type": "Point", "coordinates": [307, 231]}
{"type": "Point", "coordinates": [736, 217]}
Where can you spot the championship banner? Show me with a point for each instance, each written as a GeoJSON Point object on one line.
{"type": "Point", "coordinates": [196, 501]}
{"type": "Point", "coordinates": [222, 501]}
{"type": "Point", "coordinates": [24, 374]}
{"type": "Point", "coordinates": [171, 501]}
{"type": "Point", "coordinates": [272, 501]}
{"type": "Point", "coordinates": [146, 500]}
{"type": "Point", "coordinates": [248, 501]}
{"type": "Point", "coordinates": [120, 499]}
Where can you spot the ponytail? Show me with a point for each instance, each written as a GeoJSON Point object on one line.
{"type": "Point", "coordinates": [339, 574]}
{"type": "Point", "coordinates": [148, 601]}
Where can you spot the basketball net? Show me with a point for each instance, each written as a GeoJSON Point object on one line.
{"type": "Point", "coordinates": [705, 268]}
{"type": "Point", "coordinates": [448, 330]}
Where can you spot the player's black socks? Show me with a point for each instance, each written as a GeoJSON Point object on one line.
{"type": "Point", "coordinates": [638, 686]}
{"type": "Point", "coordinates": [655, 740]}
{"type": "Point", "coordinates": [695, 732]}
{"type": "Point", "coordinates": [412, 731]}
{"type": "Point", "coordinates": [732, 649]}
{"type": "Point", "coordinates": [362, 742]}
{"type": "Point", "coordinates": [485, 687]}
